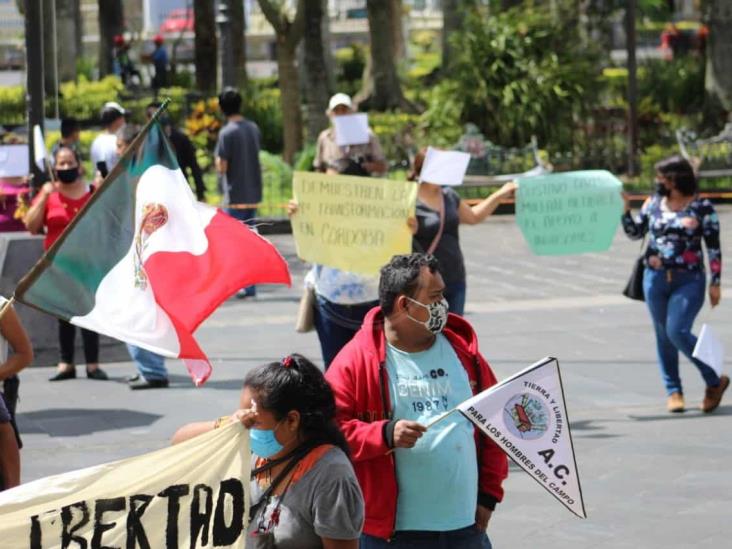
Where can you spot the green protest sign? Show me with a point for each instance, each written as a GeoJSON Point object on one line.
{"type": "Point", "coordinates": [570, 212]}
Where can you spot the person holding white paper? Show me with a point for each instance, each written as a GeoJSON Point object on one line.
{"type": "Point", "coordinates": [441, 238]}
{"type": "Point", "coordinates": [677, 220]}
{"type": "Point", "coordinates": [330, 157]}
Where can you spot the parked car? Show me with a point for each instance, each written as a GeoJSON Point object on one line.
{"type": "Point", "coordinates": [178, 20]}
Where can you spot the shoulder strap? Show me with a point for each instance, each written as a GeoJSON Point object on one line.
{"type": "Point", "coordinates": [438, 236]}
{"type": "Point", "coordinates": [297, 456]}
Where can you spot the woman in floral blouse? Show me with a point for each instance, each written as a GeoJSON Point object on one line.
{"type": "Point", "coordinates": [677, 221]}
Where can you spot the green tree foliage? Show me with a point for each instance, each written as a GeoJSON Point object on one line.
{"type": "Point", "coordinates": [523, 73]}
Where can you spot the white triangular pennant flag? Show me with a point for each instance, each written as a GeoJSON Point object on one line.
{"type": "Point", "coordinates": [40, 154]}
{"type": "Point", "coordinates": [709, 349]}
{"type": "Point", "coordinates": [527, 418]}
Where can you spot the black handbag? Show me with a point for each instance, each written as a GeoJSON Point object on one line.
{"type": "Point", "coordinates": [634, 287]}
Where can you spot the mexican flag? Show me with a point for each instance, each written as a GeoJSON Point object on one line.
{"type": "Point", "coordinates": [145, 263]}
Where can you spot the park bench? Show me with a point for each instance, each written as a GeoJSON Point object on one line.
{"type": "Point", "coordinates": [711, 157]}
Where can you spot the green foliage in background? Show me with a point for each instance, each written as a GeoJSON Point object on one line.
{"type": "Point", "coordinates": [350, 64]}
{"type": "Point", "coordinates": [12, 105]}
{"type": "Point", "coordinates": [522, 73]}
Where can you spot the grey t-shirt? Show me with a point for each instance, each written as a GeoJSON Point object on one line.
{"type": "Point", "coordinates": [448, 252]}
{"type": "Point", "coordinates": [325, 502]}
{"type": "Point", "coordinates": [238, 144]}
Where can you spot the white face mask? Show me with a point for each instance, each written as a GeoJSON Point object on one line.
{"type": "Point", "coordinates": [438, 315]}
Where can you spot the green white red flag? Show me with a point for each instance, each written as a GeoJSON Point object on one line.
{"type": "Point", "coordinates": [145, 263]}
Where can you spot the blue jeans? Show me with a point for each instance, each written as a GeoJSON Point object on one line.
{"type": "Point", "coordinates": [151, 366]}
{"type": "Point", "coordinates": [455, 295]}
{"type": "Point", "coordinates": [674, 298]}
{"type": "Point", "coordinates": [337, 324]}
{"type": "Point", "coordinates": [464, 538]}
{"type": "Point", "coordinates": [246, 215]}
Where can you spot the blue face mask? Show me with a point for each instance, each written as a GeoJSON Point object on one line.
{"type": "Point", "coordinates": [264, 443]}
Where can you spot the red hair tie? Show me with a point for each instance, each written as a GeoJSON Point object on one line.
{"type": "Point", "coordinates": [287, 362]}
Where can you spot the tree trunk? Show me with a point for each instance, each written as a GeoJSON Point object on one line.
{"type": "Point", "coordinates": [111, 16]}
{"type": "Point", "coordinates": [289, 99]}
{"type": "Point", "coordinates": [239, 44]}
{"type": "Point", "coordinates": [451, 20]}
{"type": "Point", "coordinates": [205, 55]}
{"type": "Point", "coordinates": [718, 81]}
{"type": "Point", "coordinates": [316, 74]}
{"type": "Point", "coordinates": [66, 32]}
{"type": "Point", "coordinates": [288, 34]}
{"type": "Point", "coordinates": [387, 92]}
{"type": "Point", "coordinates": [397, 30]}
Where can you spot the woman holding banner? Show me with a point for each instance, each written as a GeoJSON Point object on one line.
{"type": "Point", "coordinates": [440, 211]}
{"type": "Point", "coordinates": [303, 488]}
{"type": "Point", "coordinates": [53, 209]}
{"type": "Point", "coordinates": [677, 221]}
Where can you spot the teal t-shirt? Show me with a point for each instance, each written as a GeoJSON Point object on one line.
{"type": "Point", "coordinates": [438, 478]}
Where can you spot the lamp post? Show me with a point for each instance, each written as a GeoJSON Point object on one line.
{"type": "Point", "coordinates": [223, 19]}
{"type": "Point", "coordinates": [34, 78]}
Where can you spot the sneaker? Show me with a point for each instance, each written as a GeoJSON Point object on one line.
{"type": "Point", "coordinates": [675, 403]}
{"type": "Point", "coordinates": [61, 375]}
{"type": "Point", "coordinates": [98, 374]}
{"type": "Point", "coordinates": [143, 383]}
{"type": "Point", "coordinates": [246, 293]}
{"type": "Point", "coordinates": [713, 395]}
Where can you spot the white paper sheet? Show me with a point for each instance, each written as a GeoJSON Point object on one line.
{"type": "Point", "coordinates": [13, 160]}
{"type": "Point", "coordinates": [351, 129]}
{"type": "Point", "coordinates": [444, 167]}
{"type": "Point", "coordinates": [41, 155]}
{"type": "Point", "coordinates": [709, 349]}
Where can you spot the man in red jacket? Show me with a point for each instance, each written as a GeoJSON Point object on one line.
{"type": "Point", "coordinates": [410, 363]}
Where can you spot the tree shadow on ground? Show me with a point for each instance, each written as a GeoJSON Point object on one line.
{"type": "Point", "coordinates": [74, 422]}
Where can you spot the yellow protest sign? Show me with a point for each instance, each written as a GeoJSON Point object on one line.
{"type": "Point", "coordinates": [351, 223]}
{"type": "Point", "coordinates": [195, 494]}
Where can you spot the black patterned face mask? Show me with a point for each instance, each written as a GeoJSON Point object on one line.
{"type": "Point", "coordinates": [438, 315]}
{"type": "Point", "coordinates": [661, 189]}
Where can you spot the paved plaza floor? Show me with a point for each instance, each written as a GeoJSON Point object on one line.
{"type": "Point", "coordinates": [650, 479]}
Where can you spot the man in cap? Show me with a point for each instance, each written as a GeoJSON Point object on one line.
{"type": "Point", "coordinates": [104, 147]}
{"type": "Point", "coordinates": [364, 160]}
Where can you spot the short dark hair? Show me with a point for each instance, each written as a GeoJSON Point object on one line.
{"type": "Point", "coordinates": [110, 115]}
{"type": "Point", "coordinates": [152, 106]}
{"type": "Point", "coordinates": [69, 126]}
{"type": "Point", "coordinates": [66, 148]}
{"type": "Point", "coordinates": [679, 170]}
{"type": "Point", "coordinates": [401, 277]}
{"type": "Point", "coordinates": [230, 101]}
{"type": "Point", "coordinates": [295, 383]}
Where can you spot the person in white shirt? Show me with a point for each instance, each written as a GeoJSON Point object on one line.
{"type": "Point", "coordinates": [104, 147]}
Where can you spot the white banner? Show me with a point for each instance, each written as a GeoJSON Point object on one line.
{"type": "Point", "coordinates": [527, 418]}
{"type": "Point", "coordinates": [194, 494]}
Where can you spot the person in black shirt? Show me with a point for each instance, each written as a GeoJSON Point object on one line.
{"type": "Point", "coordinates": [445, 244]}
{"type": "Point", "coordinates": [185, 150]}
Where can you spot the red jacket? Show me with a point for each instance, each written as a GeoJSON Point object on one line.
{"type": "Point", "coordinates": [359, 380]}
